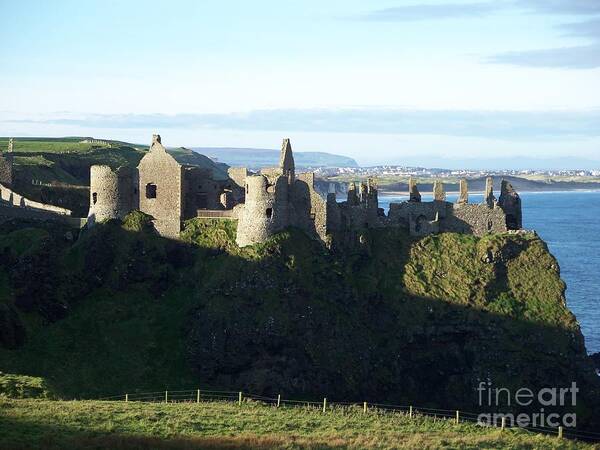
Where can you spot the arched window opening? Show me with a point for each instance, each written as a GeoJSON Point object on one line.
{"type": "Point", "coordinates": [94, 198]}
{"type": "Point", "coordinates": [150, 190]}
{"type": "Point", "coordinates": [269, 213]}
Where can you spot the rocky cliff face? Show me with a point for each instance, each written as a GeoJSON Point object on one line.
{"type": "Point", "coordinates": [393, 319]}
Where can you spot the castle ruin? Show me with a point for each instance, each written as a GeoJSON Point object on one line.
{"type": "Point", "coordinates": [273, 199]}
{"type": "Point", "coordinates": [161, 187]}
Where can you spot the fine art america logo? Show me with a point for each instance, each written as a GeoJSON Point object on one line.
{"type": "Point", "coordinates": [537, 405]}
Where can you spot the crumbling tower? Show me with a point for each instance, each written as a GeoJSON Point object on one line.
{"type": "Point", "coordinates": [267, 204]}
{"type": "Point", "coordinates": [463, 197]}
{"type": "Point", "coordinates": [413, 191]}
{"type": "Point", "coordinates": [489, 198]}
{"type": "Point", "coordinates": [113, 193]}
{"type": "Point", "coordinates": [439, 193]}
{"type": "Point", "coordinates": [286, 161]}
{"type": "Point", "coordinates": [510, 202]}
{"type": "Point", "coordinates": [352, 197]}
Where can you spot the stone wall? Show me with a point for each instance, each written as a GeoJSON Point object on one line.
{"type": "Point", "coordinates": [510, 202]}
{"type": "Point", "coordinates": [477, 219]}
{"type": "Point", "coordinates": [200, 191]}
{"type": "Point", "coordinates": [238, 175]}
{"type": "Point", "coordinates": [10, 198]}
{"type": "Point", "coordinates": [309, 208]}
{"type": "Point", "coordinates": [8, 213]}
{"type": "Point", "coordinates": [160, 189]}
{"type": "Point", "coordinates": [401, 213]}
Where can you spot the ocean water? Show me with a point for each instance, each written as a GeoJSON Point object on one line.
{"type": "Point", "coordinates": [570, 224]}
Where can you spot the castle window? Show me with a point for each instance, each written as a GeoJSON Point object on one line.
{"type": "Point", "coordinates": [94, 198]}
{"type": "Point", "coordinates": [269, 213]}
{"type": "Point", "coordinates": [490, 225]}
{"type": "Point", "coordinates": [150, 190]}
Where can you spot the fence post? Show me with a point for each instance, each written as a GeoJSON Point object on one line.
{"type": "Point", "coordinates": [198, 396]}
{"type": "Point", "coordinates": [126, 397]}
{"type": "Point", "coordinates": [166, 396]}
{"type": "Point", "coordinates": [240, 398]}
{"type": "Point", "coordinates": [560, 432]}
{"type": "Point", "coordinates": [324, 404]}
{"type": "Point", "coordinates": [365, 407]}
{"type": "Point", "coordinates": [278, 400]}
{"type": "Point", "coordinates": [410, 412]}
{"type": "Point", "coordinates": [503, 422]}
{"type": "Point", "coordinates": [457, 417]}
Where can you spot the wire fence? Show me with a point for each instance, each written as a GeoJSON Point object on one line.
{"type": "Point", "coordinates": [499, 420]}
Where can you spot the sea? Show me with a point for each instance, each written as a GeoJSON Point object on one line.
{"type": "Point", "coordinates": [569, 222]}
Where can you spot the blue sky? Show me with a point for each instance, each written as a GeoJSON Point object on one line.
{"type": "Point", "coordinates": [397, 82]}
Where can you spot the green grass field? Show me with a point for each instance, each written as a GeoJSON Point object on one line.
{"type": "Point", "coordinates": [47, 424]}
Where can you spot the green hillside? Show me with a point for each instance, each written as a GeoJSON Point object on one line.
{"type": "Point", "coordinates": [397, 319]}
{"type": "Point", "coordinates": [218, 425]}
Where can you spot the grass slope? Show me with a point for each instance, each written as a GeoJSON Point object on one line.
{"type": "Point", "coordinates": [218, 425]}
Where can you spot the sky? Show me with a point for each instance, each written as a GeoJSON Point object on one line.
{"type": "Point", "coordinates": [434, 83]}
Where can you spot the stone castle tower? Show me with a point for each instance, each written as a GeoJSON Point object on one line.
{"type": "Point", "coordinates": [267, 205]}
{"type": "Point", "coordinates": [154, 187]}
{"type": "Point", "coordinates": [161, 189]}
{"type": "Point", "coordinates": [112, 193]}
{"type": "Point", "coordinates": [6, 166]}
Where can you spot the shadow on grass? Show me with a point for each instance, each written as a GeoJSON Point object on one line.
{"type": "Point", "coordinates": [24, 435]}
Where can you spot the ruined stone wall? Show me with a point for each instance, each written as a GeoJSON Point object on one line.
{"type": "Point", "coordinates": [237, 178]}
{"type": "Point", "coordinates": [510, 202]}
{"type": "Point", "coordinates": [423, 218]}
{"type": "Point", "coordinates": [200, 191]}
{"type": "Point", "coordinates": [420, 225]}
{"type": "Point", "coordinates": [8, 212]}
{"type": "Point", "coordinates": [238, 175]}
{"type": "Point", "coordinates": [400, 213]}
{"type": "Point", "coordinates": [309, 208]}
{"type": "Point", "coordinates": [334, 214]}
{"type": "Point", "coordinates": [6, 170]}
{"type": "Point", "coordinates": [113, 194]}
{"type": "Point", "coordinates": [477, 219]}
{"type": "Point", "coordinates": [160, 189]}
{"type": "Point", "coordinates": [9, 198]}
